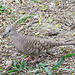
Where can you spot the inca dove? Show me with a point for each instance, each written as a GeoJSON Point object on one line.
{"type": "Point", "coordinates": [31, 45]}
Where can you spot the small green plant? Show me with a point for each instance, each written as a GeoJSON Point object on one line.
{"type": "Point", "coordinates": [22, 68]}
{"type": "Point", "coordinates": [17, 68]}
{"type": "Point", "coordinates": [41, 67]}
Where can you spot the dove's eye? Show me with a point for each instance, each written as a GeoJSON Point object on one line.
{"type": "Point", "coordinates": [9, 30]}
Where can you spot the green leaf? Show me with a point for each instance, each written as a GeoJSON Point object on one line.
{"type": "Point", "coordinates": [51, 0]}
{"type": "Point", "coordinates": [34, 71]}
{"type": "Point", "coordinates": [8, 59]}
{"type": "Point", "coordinates": [15, 63]}
{"type": "Point", "coordinates": [55, 39]}
{"type": "Point", "coordinates": [38, 74]}
{"type": "Point", "coordinates": [50, 19]}
{"type": "Point", "coordinates": [44, 8]}
{"type": "Point", "coordinates": [23, 64]}
{"type": "Point", "coordinates": [2, 8]}
{"type": "Point", "coordinates": [42, 64]}
{"type": "Point", "coordinates": [12, 73]}
{"type": "Point", "coordinates": [26, 56]}
{"type": "Point", "coordinates": [23, 19]}
{"type": "Point", "coordinates": [1, 69]}
{"type": "Point", "coordinates": [36, 1]}
{"type": "Point", "coordinates": [67, 69]}
{"type": "Point", "coordinates": [61, 60]}
{"type": "Point", "coordinates": [6, 46]}
{"type": "Point", "coordinates": [57, 25]}
{"type": "Point", "coordinates": [1, 11]}
{"type": "Point", "coordinates": [13, 70]}
{"type": "Point", "coordinates": [12, 18]}
{"type": "Point", "coordinates": [69, 55]}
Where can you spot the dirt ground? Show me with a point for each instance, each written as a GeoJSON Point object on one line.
{"type": "Point", "coordinates": [50, 15]}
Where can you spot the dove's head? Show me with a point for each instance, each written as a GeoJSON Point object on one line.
{"type": "Point", "coordinates": [9, 31]}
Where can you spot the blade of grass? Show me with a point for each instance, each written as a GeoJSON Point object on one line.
{"type": "Point", "coordinates": [67, 69]}
{"type": "Point", "coordinates": [43, 64]}
{"type": "Point", "coordinates": [34, 71]}
{"type": "Point", "coordinates": [2, 8]}
{"type": "Point", "coordinates": [1, 69]}
{"type": "Point", "coordinates": [61, 60]}
{"type": "Point", "coordinates": [22, 19]}
{"type": "Point", "coordinates": [69, 55]}
{"type": "Point", "coordinates": [12, 73]}
{"type": "Point", "coordinates": [36, 1]}
{"type": "Point", "coordinates": [15, 63]}
{"type": "Point", "coordinates": [13, 70]}
{"type": "Point", "coordinates": [23, 64]}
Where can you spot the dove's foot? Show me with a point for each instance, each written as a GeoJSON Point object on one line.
{"type": "Point", "coordinates": [33, 59]}
{"type": "Point", "coordinates": [28, 58]}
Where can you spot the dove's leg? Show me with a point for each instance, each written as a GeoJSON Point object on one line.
{"type": "Point", "coordinates": [33, 59]}
{"type": "Point", "coordinates": [28, 58]}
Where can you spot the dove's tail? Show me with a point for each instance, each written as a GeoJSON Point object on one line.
{"type": "Point", "coordinates": [68, 43]}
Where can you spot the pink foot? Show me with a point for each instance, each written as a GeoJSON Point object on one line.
{"type": "Point", "coordinates": [33, 60]}
{"type": "Point", "coordinates": [28, 58]}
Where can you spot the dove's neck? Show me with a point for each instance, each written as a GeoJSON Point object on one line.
{"type": "Point", "coordinates": [15, 35]}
